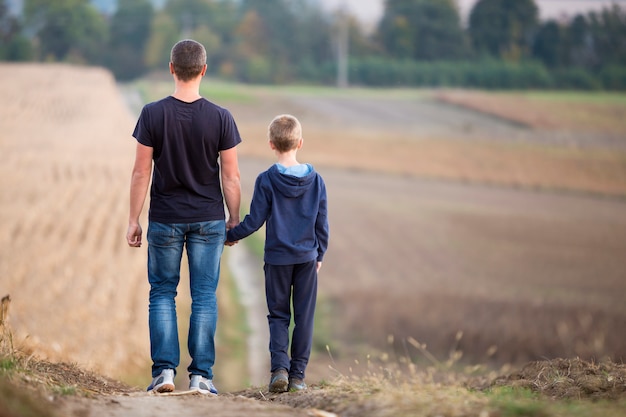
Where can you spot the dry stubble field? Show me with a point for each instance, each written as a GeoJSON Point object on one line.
{"type": "Point", "coordinates": [65, 149]}
{"type": "Point", "coordinates": [443, 220]}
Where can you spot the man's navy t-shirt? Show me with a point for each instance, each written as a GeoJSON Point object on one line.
{"type": "Point", "coordinates": [186, 139]}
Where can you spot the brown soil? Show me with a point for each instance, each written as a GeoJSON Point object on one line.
{"type": "Point", "coordinates": [570, 378]}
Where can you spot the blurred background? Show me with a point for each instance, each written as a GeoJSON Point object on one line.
{"type": "Point", "coordinates": [465, 43]}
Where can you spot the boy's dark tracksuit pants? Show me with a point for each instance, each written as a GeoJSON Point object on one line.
{"type": "Point", "coordinates": [280, 281]}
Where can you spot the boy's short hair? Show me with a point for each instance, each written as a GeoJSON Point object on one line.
{"type": "Point", "coordinates": [188, 58]}
{"type": "Point", "coordinates": [285, 132]}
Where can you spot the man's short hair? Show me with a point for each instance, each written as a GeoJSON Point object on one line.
{"type": "Point", "coordinates": [188, 58]}
{"type": "Point", "coordinates": [285, 132]}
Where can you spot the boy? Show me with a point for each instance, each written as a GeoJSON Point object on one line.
{"type": "Point", "coordinates": [184, 135]}
{"type": "Point", "coordinates": [291, 199]}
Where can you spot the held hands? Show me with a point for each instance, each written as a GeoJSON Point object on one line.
{"type": "Point", "coordinates": [232, 222]}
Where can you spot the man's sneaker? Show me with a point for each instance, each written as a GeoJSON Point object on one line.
{"type": "Point", "coordinates": [279, 381]}
{"type": "Point", "coordinates": [164, 382]}
{"type": "Point", "coordinates": [296, 384]}
{"type": "Point", "coordinates": [202, 385]}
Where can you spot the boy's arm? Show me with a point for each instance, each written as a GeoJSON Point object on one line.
{"type": "Point", "coordinates": [231, 185]}
{"type": "Point", "coordinates": [259, 211]}
{"type": "Point", "coordinates": [321, 225]}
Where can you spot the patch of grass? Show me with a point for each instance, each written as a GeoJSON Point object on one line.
{"type": "Point", "coordinates": [8, 364]}
{"type": "Point", "coordinates": [224, 92]}
{"type": "Point", "coordinates": [232, 331]}
{"type": "Point", "coordinates": [322, 328]}
{"type": "Point", "coordinates": [256, 243]}
{"type": "Point", "coordinates": [522, 402]}
{"type": "Point", "coordinates": [352, 92]}
{"type": "Point", "coordinates": [578, 96]}
{"type": "Point", "coordinates": [563, 96]}
{"type": "Point", "coordinates": [65, 390]}
{"type": "Point", "coordinates": [214, 90]}
{"type": "Point", "coordinates": [14, 400]}
{"type": "Point", "coordinates": [513, 402]}
{"type": "Point", "coordinates": [153, 90]}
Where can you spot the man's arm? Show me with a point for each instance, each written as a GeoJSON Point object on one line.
{"type": "Point", "coordinates": [231, 184]}
{"type": "Point", "coordinates": [140, 180]}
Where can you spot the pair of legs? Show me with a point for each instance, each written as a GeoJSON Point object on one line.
{"type": "Point", "coordinates": [204, 243]}
{"type": "Point", "coordinates": [286, 285]}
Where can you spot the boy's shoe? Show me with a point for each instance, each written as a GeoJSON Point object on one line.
{"type": "Point", "coordinates": [202, 385]}
{"type": "Point", "coordinates": [164, 382]}
{"type": "Point", "coordinates": [279, 381]}
{"type": "Point", "coordinates": [296, 384]}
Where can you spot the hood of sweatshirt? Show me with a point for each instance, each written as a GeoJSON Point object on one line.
{"type": "Point", "coordinates": [291, 186]}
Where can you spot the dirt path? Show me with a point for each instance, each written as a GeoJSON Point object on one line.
{"type": "Point", "coordinates": [248, 273]}
{"type": "Point", "coordinates": [145, 405]}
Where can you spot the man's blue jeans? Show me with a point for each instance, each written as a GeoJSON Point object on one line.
{"type": "Point", "coordinates": [204, 242]}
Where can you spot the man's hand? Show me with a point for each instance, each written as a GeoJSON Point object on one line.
{"type": "Point", "coordinates": [232, 222]}
{"type": "Point", "coordinates": [133, 235]}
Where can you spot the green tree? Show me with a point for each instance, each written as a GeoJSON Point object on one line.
{"type": "Point", "coordinates": [130, 31]}
{"type": "Point", "coordinates": [163, 35]}
{"type": "Point", "coordinates": [503, 28]}
{"type": "Point", "coordinates": [213, 20]}
{"type": "Point", "coordinates": [9, 25]}
{"type": "Point", "coordinates": [580, 43]}
{"type": "Point", "coordinates": [313, 35]}
{"type": "Point", "coordinates": [189, 14]}
{"type": "Point", "coordinates": [608, 31]}
{"type": "Point", "coordinates": [13, 45]}
{"type": "Point", "coordinates": [598, 39]}
{"type": "Point", "coordinates": [550, 45]}
{"type": "Point", "coordinates": [360, 42]}
{"type": "Point", "coordinates": [422, 30]}
{"type": "Point", "coordinates": [277, 42]}
{"type": "Point", "coordinates": [252, 49]}
{"type": "Point", "coordinates": [67, 29]}
{"type": "Point", "coordinates": [286, 36]}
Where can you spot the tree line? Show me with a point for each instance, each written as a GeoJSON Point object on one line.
{"type": "Point", "coordinates": [416, 42]}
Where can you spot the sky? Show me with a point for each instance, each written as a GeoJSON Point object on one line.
{"type": "Point", "coordinates": [369, 11]}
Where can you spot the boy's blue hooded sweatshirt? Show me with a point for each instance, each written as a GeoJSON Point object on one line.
{"type": "Point", "coordinates": [294, 209]}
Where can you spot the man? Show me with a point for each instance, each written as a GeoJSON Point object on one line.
{"type": "Point", "coordinates": [184, 135]}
